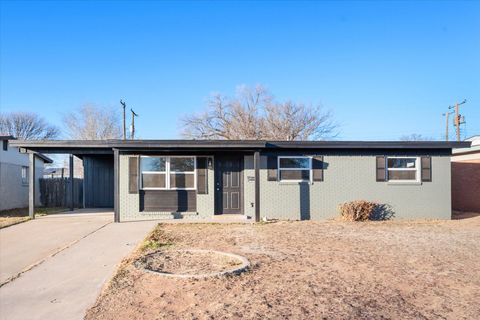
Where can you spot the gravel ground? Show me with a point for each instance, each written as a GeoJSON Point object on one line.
{"type": "Point", "coordinates": [312, 270]}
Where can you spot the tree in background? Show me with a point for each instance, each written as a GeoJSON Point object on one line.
{"type": "Point", "coordinates": [27, 126]}
{"type": "Point", "coordinates": [93, 123]}
{"type": "Point", "coordinates": [415, 137]}
{"type": "Point", "coordinates": [254, 115]}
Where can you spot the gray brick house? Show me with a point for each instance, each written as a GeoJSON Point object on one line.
{"type": "Point", "coordinates": [195, 179]}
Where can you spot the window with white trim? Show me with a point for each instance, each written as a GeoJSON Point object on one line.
{"type": "Point", "coordinates": [294, 169]}
{"type": "Point", "coordinates": [25, 176]}
{"type": "Point", "coordinates": [403, 169]}
{"type": "Point", "coordinates": [168, 173]}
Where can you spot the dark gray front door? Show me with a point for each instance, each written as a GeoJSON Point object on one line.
{"type": "Point", "coordinates": [228, 184]}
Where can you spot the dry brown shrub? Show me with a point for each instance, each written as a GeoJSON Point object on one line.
{"type": "Point", "coordinates": [358, 210]}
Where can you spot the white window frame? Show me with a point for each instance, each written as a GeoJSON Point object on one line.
{"type": "Point", "coordinates": [26, 179]}
{"type": "Point", "coordinates": [167, 173]}
{"type": "Point", "coordinates": [295, 169]}
{"type": "Point", "coordinates": [417, 169]}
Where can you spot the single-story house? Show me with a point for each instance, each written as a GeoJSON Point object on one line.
{"type": "Point", "coordinates": [168, 179]}
{"type": "Point", "coordinates": [14, 175]}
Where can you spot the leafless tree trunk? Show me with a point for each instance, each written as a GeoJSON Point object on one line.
{"type": "Point", "coordinates": [93, 123]}
{"type": "Point", "coordinates": [26, 126]}
{"type": "Point", "coordinates": [253, 115]}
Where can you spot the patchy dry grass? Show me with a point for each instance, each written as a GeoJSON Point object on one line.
{"type": "Point", "coordinates": [311, 270]}
{"type": "Point", "coordinates": [14, 216]}
{"type": "Point", "coordinates": [155, 240]}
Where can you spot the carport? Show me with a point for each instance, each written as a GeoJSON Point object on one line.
{"type": "Point", "coordinates": [102, 161]}
{"type": "Point", "coordinates": [98, 162]}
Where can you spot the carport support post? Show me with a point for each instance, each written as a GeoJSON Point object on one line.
{"type": "Point", "coordinates": [31, 185]}
{"type": "Point", "coordinates": [116, 167]}
{"type": "Point", "coordinates": [256, 166]}
{"type": "Point", "coordinates": [72, 191]}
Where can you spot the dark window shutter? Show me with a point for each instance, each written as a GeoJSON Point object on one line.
{"type": "Point", "coordinates": [317, 167]}
{"type": "Point", "coordinates": [426, 169]}
{"type": "Point", "coordinates": [202, 175]}
{"type": "Point", "coordinates": [133, 175]}
{"type": "Point", "coordinates": [381, 170]}
{"type": "Point", "coordinates": [272, 168]}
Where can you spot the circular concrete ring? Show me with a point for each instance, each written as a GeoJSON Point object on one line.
{"type": "Point", "coordinates": [245, 264]}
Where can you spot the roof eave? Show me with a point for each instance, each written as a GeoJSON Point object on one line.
{"type": "Point", "coordinates": [106, 146]}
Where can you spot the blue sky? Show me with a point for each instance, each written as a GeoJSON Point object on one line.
{"type": "Point", "coordinates": [384, 68]}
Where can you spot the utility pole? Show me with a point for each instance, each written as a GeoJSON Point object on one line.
{"type": "Point", "coordinates": [133, 124]}
{"type": "Point", "coordinates": [458, 118]}
{"type": "Point", "coordinates": [447, 116]}
{"type": "Point", "coordinates": [124, 105]}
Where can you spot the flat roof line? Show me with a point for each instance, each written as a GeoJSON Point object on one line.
{"type": "Point", "coordinates": [108, 145]}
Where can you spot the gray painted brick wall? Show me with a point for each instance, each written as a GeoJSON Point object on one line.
{"type": "Point", "coordinates": [350, 178]}
{"type": "Point", "coordinates": [130, 203]}
{"type": "Point", "coordinates": [347, 178]}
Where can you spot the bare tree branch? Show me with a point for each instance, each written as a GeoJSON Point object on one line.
{"type": "Point", "coordinates": [93, 123]}
{"type": "Point", "coordinates": [27, 126]}
{"type": "Point", "coordinates": [415, 137]}
{"type": "Point", "coordinates": [252, 115]}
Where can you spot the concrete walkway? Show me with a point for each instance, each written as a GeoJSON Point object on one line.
{"type": "Point", "coordinates": [75, 255]}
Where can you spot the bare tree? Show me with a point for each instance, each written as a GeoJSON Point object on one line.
{"type": "Point", "coordinates": [93, 123]}
{"type": "Point", "coordinates": [227, 118]}
{"type": "Point", "coordinates": [293, 121]}
{"type": "Point", "coordinates": [26, 126]}
{"type": "Point", "coordinates": [253, 115]}
{"type": "Point", "coordinates": [415, 137]}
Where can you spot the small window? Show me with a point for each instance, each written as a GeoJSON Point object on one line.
{"type": "Point", "coordinates": [24, 176]}
{"type": "Point", "coordinates": [5, 145]}
{"type": "Point", "coordinates": [295, 168]}
{"type": "Point", "coordinates": [403, 169]}
{"type": "Point", "coordinates": [167, 173]}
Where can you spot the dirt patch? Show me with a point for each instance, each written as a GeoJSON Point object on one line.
{"type": "Point", "coordinates": [312, 270]}
{"type": "Point", "coordinates": [190, 263]}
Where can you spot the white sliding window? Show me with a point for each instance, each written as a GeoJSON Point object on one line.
{"type": "Point", "coordinates": [295, 169]}
{"type": "Point", "coordinates": [403, 169]}
{"type": "Point", "coordinates": [168, 173]}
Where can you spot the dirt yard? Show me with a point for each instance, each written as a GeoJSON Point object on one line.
{"type": "Point", "coordinates": [311, 270]}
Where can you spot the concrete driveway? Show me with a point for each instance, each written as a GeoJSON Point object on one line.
{"type": "Point", "coordinates": [54, 267]}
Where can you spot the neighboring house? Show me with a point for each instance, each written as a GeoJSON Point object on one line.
{"type": "Point", "coordinates": [466, 177]}
{"type": "Point", "coordinates": [14, 174]}
{"type": "Point", "coordinates": [55, 172]}
{"type": "Point", "coordinates": [168, 179]}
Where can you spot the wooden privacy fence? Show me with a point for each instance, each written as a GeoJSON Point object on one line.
{"type": "Point", "coordinates": [55, 192]}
